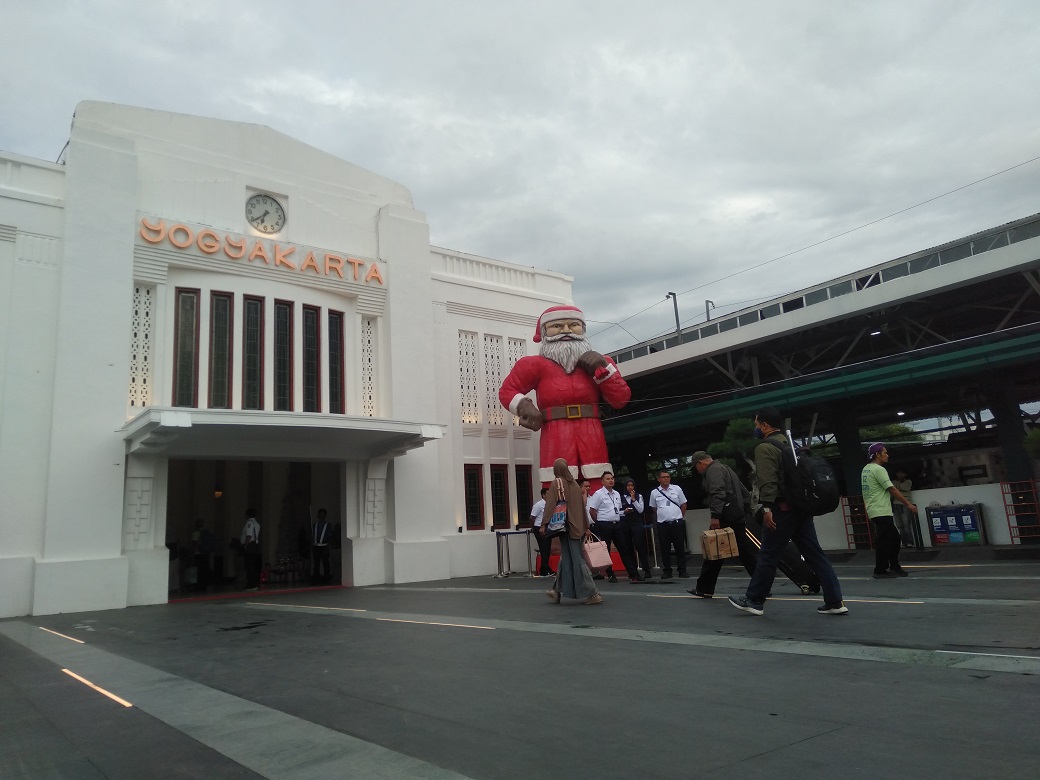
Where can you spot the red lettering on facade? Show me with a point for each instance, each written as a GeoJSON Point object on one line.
{"type": "Point", "coordinates": [373, 273]}
{"type": "Point", "coordinates": [240, 245]}
{"type": "Point", "coordinates": [333, 263]}
{"type": "Point", "coordinates": [309, 262]}
{"type": "Point", "coordinates": [281, 255]}
{"type": "Point", "coordinates": [153, 234]}
{"type": "Point", "coordinates": [188, 240]}
{"type": "Point", "coordinates": [259, 250]}
{"type": "Point", "coordinates": [208, 241]}
{"type": "Point", "coordinates": [357, 265]}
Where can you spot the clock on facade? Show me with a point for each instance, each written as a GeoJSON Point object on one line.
{"type": "Point", "coordinates": [264, 213]}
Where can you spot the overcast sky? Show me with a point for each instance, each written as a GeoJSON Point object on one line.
{"type": "Point", "coordinates": [639, 147]}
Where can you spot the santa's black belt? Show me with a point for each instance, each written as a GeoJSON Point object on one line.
{"type": "Point", "coordinates": [571, 412]}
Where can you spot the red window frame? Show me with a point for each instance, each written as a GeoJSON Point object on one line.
{"type": "Point", "coordinates": [230, 298]}
{"type": "Point", "coordinates": [473, 489]}
{"type": "Point", "coordinates": [246, 300]}
{"type": "Point", "coordinates": [197, 293]}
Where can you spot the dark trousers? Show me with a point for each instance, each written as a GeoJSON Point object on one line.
{"type": "Point", "coordinates": [320, 563]}
{"type": "Point", "coordinates": [886, 544]}
{"type": "Point", "coordinates": [252, 562]}
{"type": "Point", "coordinates": [612, 533]}
{"type": "Point", "coordinates": [634, 533]}
{"type": "Point", "coordinates": [748, 557]}
{"type": "Point", "coordinates": [672, 535]}
{"type": "Point", "coordinates": [544, 551]}
{"type": "Point", "coordinates": [201, 563]}
{"type": "Point", "coordinates": [791, 526]}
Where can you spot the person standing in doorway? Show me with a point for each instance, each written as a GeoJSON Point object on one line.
{"type": "Point", "coordinates": [668, 504]}
{"type": "Point", "coordinates": [321, 535]}
{"type": "Point", "coordinates": [250, 540]}
{"type": "Point", "coordinates": [878, 496]}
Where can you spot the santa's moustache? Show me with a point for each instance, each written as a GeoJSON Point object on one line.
{"type": "Point", "coordinates": [564, 349]}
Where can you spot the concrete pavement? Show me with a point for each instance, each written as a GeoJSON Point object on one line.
{"type": "Point", "coordinates": [936, 675]}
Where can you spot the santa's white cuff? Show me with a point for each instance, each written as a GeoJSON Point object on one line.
{"type": "Point", "coordinates": [611, 370]}
{"type": "Point", "coordinates": [516, 402]}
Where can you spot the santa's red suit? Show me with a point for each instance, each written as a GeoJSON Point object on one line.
{"type": "Point", "coordinates": [570, 403]}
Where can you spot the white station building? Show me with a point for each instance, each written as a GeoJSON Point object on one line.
{"type": "Point", "coordinates": [201, 316]}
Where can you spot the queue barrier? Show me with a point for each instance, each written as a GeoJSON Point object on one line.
{"type": "Point", "coordinates": [502, 545]}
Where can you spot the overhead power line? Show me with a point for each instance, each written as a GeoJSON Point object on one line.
{"type": "Point", "coordinates": [823, 241]}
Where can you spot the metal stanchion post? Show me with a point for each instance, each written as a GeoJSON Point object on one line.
{"type": "Point", "coordinates": [530, 557]}
{"type": "Point", "coordinates": [653, 544]}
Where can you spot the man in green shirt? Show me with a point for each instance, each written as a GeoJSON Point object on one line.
{"type": "Point", "coordinates": [878, 495]}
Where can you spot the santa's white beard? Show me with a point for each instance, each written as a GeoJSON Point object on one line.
{"type": "Point", "coordinates": [564, 349]}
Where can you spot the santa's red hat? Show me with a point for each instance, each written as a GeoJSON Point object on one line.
{"type": "Point", "coordinates": [566, 312]}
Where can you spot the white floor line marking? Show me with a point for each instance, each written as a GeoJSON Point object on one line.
{"type": "Point", "coordinates": [97, 688]}
{"type": "Point", "coordinates": [432, 623]}
{"type": "Point", "coordinates": [990, 655]}
{"type": "Point", "coordinates": [303, 606]}
{"type": "Point", "coordinates": [71, 639]}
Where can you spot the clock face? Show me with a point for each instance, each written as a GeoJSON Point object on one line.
{"type": "Point", "coordinates": [265, 214]}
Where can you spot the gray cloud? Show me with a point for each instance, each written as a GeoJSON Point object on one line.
{"type": "Point", "coordinates": [639, 149]}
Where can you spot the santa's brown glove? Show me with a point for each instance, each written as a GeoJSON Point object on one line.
{"type": "Point", "coordinates": [531, 416]}
{"type": "Point", "coordinates": [591, 361]}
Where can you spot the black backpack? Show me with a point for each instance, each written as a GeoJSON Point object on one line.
{"type": "Point", "coordinates": [808, 484]}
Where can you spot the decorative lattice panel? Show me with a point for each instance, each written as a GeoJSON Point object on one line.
{"type": "Point", "coordinates": [368, 367]}
{"type": "Point", "coordinates": [517, 348]}
{"type": "Point", "coordinates": [137, 514]}
{"type": "Point", "coordinates": [469, 389]}
{"type": "Point", "coordinates": [140, 393]}
{"type": "Point", "coordinates": [493, 379]}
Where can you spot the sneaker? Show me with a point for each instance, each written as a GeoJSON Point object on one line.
{"type": "Point", "coordinates": [744, 604]}
{"type": "Point", "coordinates": [597, 599]}
{"type": "Point", "coordinates": [698, 594]}
{"type": "Point", "coordinates": [833, 609]}
{"type": "Point", "coordinates": [899, 571]}
{"type": "Point", "coordinates": [597, 576]}
{"type": "Point", "coordinates": [684, 576]}
{"type": "Point", "coordinates": [885, 575]}
{"type": "Point", "coordinates": [637, 577]}
{"type": "Point", "coordinates": [666, 575]}
{"type": "Point", "coordinates": [553, 596]}
{"type": "Point", "coordinates": [612, 578]}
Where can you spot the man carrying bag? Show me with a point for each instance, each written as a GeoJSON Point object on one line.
{"type": "Point", "coordinates": [728, 501]}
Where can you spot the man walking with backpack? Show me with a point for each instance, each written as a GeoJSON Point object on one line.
{"type": "Point", "coordinates": [783, 523]}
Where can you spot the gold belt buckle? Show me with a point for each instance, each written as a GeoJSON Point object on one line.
{"type": "Point", "coordinates": [573, 411]}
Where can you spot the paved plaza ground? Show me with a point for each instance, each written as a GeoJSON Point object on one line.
{"type": "Point", "coordinates": [933, 676]}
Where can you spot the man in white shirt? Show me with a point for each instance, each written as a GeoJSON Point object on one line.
{"type": "Point", "coordinates": [668, 503]}
{"type": "Point", "coordinates": [250, 541]}
{"type": "Point", "coordinates": [605, 510]}
{"type": "Point", "coordinates": [544, 542]}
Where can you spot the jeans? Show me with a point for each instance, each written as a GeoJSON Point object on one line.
{"type": "Point", "coordinates": [792, 526]}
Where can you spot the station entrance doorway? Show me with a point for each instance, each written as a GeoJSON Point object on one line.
{"type": "Point", "coordinates": [213, 496]}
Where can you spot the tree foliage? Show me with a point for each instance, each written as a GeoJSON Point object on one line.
{"type": "Point", "coordinates": [1032, 443]}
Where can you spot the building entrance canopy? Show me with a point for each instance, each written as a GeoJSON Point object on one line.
{"type": "Point", "coordinates": [228, 435]}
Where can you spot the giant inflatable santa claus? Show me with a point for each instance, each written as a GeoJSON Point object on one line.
{"type": "Point", "coordinates": [569, 379]}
